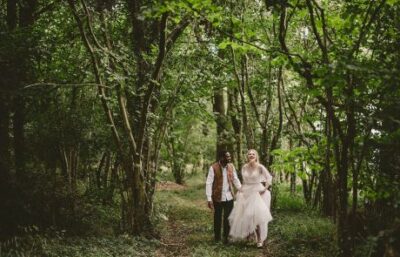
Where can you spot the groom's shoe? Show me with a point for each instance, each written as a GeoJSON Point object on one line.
{"type": "Point", "coordinates": [225, 241]}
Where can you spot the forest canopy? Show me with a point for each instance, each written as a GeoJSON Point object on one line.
{"type": "Point", "coordinates": [99, 98]}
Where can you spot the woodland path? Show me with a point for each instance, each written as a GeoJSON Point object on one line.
{"type": "Point", "coordinates": [188, 230]}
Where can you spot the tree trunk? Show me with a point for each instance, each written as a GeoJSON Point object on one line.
{"type": "Point", "coordinates": [293, 183]}
{"type": "Point", "coordinates": [5, 156]}
{"type": "Point", "coordinates": [224, 142]}
{"type": "Point", "coordinates": [233, 111]}
{"type": "Point", "coordinates": [26, 20]}
{"type": "Point", "coordinates": [5, 176]}
{"type": "Point", "coordinates": [276, 137]}
{"type": "Point", "coordinates": [99, 169]}
{"type": "Point", "coordinates": [19, 137]}
{"type": "Point", "coordinates": [241, 87]}
{"type": "Point", "coordinates": [292, 174]}
{"type": "Point", "coordinates": [326, 176]}
{"type": "Point", "coordinates": [140, 218]}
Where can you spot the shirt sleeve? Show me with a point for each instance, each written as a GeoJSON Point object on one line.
{"type": "Point", "coordinates": [266, 175]}
{"type": "Point", "coordinates": [236, 180]}
{"type": "Point", "coordinates": [209, 182]}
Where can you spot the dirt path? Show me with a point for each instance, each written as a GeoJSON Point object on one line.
{"type": "Point", "coordinates": [174, 236]}
{"type": "Point", "coordinates": [188, 230]}
{"type": "Point", "coordinates": [173, 242]}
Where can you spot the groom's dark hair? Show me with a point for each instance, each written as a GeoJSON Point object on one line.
{"type": "Point", "coordinates": [221, 154]}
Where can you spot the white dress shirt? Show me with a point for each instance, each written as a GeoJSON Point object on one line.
{"type": "Point", "coordinates": [226, 192]}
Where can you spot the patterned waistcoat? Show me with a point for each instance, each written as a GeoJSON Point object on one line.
{"type": "Point", "coordinates": [218, 181]}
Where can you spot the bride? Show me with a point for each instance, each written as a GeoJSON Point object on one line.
{"type": "Point", "coordinates": [251, 212]}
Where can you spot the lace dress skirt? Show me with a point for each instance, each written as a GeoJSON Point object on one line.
{"type": "Point", "coordinates": [250, 210]}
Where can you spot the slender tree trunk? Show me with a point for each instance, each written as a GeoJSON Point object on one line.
{"type": "Point", "coordinates": [318, 193]}
{"type": "Point", "coordinates": [99, 169]}
{"type": "Point", "coordinates": [224, 141]}
{"type": "Point", "coordinates": [11, 14]}
{"type": "Point", "coordinates": [19, 137]}
{"type": "Point", "coordinates": [349, 147]}
{"type": "Point", "coordinates": [326, 176]}
{"type": "Point", "coordinates": [241, 86]}
{"type": "Point", "coordinates": [26, 20]}
{"type": "Point", "coordinates": [5, 156]}
{"type": "Point", "coordinates": [5, 175]}
{"type": "Point", "coordinates": [5, 112]}
{"type": "Point", "coordinates": [292, 174]}
{"type": "Point", "coordinates": [293, 183]}
{"type": "Point", "coordinates": [276, 137]}
{"type": "Point", "coordinates": [265, 135]}
{"type": "Point", "coordinates": [233, 111]}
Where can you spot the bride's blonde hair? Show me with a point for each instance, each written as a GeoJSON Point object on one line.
{"type": "Point", "coordinates": [255, 151]}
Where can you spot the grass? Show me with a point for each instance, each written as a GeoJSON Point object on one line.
{"type": "Point", "coordinates": [298, 230]}
{"type": "Point", "coordinates": [99, 246]}
{"type": "Point", "coordinates": [295, 231]}
{"type": "Point", "coordinates": [186, 229]}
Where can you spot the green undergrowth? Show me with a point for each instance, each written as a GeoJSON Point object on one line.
{"type": "Point", "coordinates": [295, 231]}
{"type": "Point", "coordinates": [99, 246]}
{"type": "Point", "coordinates": [185, 225]}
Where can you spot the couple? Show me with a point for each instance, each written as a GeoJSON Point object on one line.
{"type": "Point", "coordinates": [251, 212]}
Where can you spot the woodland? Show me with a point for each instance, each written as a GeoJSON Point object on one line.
{"type": "Point", "coordinates": [103, 101]}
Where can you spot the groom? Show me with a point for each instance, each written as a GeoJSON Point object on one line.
{"type": "Point", "coordinates": [219, 191]}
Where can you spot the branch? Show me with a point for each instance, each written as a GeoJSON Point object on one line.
{"type": "Point", "coordinates": [366, 25]}
{"type": "Point", "coordinates": [252, 101]}
{"type": "Point", "coordinates": [291, 109]}
{"type": "Point", "coordinates": [177, 31]}
{"type": "Point", "coordinates": [154, 80]}
{"type": "Point", "coordinates": [63, 85]}
{"type": "Point", "coordinates": [99, 81]}
{"type": "Point", "coordinates": [324, 29]}
{"type": "Point", "coordinates": [95, 40]}
{"type": "Point", "coordinates": [275, 138]}
{"type": "Point", "coordinates": [306, 73]}
{"type": "Point", "coordinates": [321, 44]}
{"type": "Point", "coordinates": [282, 41]}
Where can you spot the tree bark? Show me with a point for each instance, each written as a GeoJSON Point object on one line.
{"type": "Point", "coordinates": [222, 143]}
{"type": "Point", "coordinates": [241, 85]}
{"type": "Point", "coordinates": [234, 111]}
{"type": "Point", "coordinates": [326, 176]}
{"type": "Point", "coordinates": [276, 137]}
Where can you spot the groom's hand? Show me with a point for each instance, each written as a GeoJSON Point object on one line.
{"type": "Point", "coordinates": [210, 205]}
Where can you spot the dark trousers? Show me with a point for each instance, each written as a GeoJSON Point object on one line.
{"type": "Point", "coordinates": [220, 208]}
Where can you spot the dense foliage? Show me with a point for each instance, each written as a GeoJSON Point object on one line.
{"type": "Point", "coordinates": [99, 98]}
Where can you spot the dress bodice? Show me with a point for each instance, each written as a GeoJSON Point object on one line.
{"type": "Point", "coordinates": [255, 175]}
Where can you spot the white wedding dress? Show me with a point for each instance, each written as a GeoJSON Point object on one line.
{"type": "Point", "coordinates": [251, 209]}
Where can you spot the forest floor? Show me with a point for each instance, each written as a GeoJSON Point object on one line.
{"type": "Point", "coordinates": [185, 227]}
{"type": "Point", "coordinates": [188, 228]}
